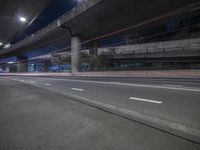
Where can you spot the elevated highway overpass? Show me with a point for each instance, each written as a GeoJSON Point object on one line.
{"type": "Point", "coordinates": [94, 18]}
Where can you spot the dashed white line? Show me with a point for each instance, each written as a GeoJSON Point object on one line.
{"type": "Point", "coordinates": [32, 81]}
{"type": "Point", "coordinates": [47, 84]}
{"type": "Point", "coordinates": [77, 89]}
{"type": "Point", "coordinates": [145, 100]}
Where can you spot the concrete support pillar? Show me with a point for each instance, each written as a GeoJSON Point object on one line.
{"type": "Point", "coordinates": [22, 64]}
{"type": "Point", "coordinates": [75, 54]}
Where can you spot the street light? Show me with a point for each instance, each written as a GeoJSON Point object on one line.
{"type": "Point", "coordinates": [22, 19]}
{"type": "Point", "coordinates": [1, 44]}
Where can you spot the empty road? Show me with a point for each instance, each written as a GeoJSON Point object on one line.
{"type": "Point", "coordinates": [162, 102]}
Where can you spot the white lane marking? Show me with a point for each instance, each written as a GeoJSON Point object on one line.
{"type": "Point", "coordinates": [172, 85]}
{"type": "Point", "coordinates": [129, 84]}
{"type": "Point", "coordinates": [32, 81]}
{"type": "Point", "coordinates": [145, 100]}
{"type": "Point", "coordinates": [47, 84]}
{"type": "Point", "coordinates": [77, 89]}
{"type": "Point", "coordinates": [18, 80]}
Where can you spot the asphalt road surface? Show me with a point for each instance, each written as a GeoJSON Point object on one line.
{"type": "Point", "coordinates": [172, 100]}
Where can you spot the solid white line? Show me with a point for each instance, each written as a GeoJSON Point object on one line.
{"type": "Point", "coordinates": [130, 84]}
{"type": "Point", "coordinates": [47, 84]}
{"type": "Point", "coordinates": [77, 89]}
{"type": "Point", "coordinates": [145, 100]}
{"type": "Point", "coordinates": [172, 85]}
